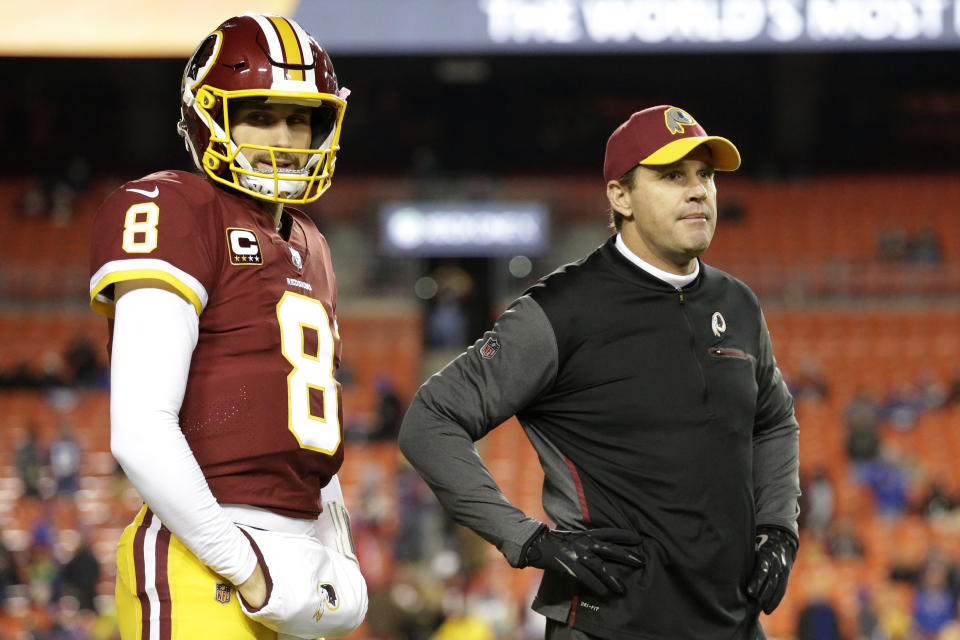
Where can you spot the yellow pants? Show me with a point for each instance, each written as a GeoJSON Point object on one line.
{"type": "Point", "coordinates": [165, 593]}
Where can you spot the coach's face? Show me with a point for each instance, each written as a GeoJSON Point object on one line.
{"type": "Point", "coordinates": [671, 211]}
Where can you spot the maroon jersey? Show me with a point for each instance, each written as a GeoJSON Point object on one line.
{"type": "Point", "coordinates": [261, 410]}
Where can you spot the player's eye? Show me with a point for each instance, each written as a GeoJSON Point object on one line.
{"type": "Point", "coordinates": [259, 117]}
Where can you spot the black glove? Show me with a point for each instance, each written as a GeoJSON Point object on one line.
{"type": "Point", "coordinates": [776, 551]}
{"type": "Point", "coordinates": [581, 554]}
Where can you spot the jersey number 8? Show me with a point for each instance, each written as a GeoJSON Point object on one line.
{"type": "Point", "coordinates": [313, 406]}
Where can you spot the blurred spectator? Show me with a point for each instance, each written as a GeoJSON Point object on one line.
{"type": "Point", "coordinates": [924, 246]}
{"type": "Point", "coordinates": [389, 410]}
{"type": "Point", "coordinates": [419, 513]}
{"type": "Point", "coordinates": [868, 623]}
{"type": "Point", "coordinates": [895, 619]}
{"type": "Point", "coordinates": [902, 405]}
{"type": "Point", "coordinates": [41, 572]}
{"type": "Point", "coordinates": [818, 619]}
{"type": "Point", "coordinates": [809, 382]}
{"type": "Point", "coordinates": [80, 575]}
{"type": "Point", "coordinates": [887, 478]}
{"type": "Point", "coordinates": [936, 503]}
{"type": "Point", "coordinates": [892, 244]}
{"type": "Point", "coordinates": [34, 203]}
{"type": "Point", "coordinates": [953, 391]}
{"type": "Point", "coordinates": [9, 573]}
{"type": "Point", "coordinates": [731, 209]}
{"type": "Point", "coordinates": [863, 422]}
{"type": "Point", "coordinates": [21, 376]}
{"type": "Point", "coordinates": [447, 322]}
{"type": "Point", "coordinates": [842, 539]}
{"type": "Point", "coordinates": [62, 200]}
{"type": "Point", "coordinates": [65, 459]}
{"type": "Point", "coordinates": [462, 621]}
{"type": "Point", "coordinates": [933, 605]}
{"type": "Point", "coordinates": [931, 391]}
{"type": "Point", "coordinates": [83, 363]}
{"type": "Point", "coordinates": [30, 460]}
{"type": "Point", "coordinates": [819, 498]}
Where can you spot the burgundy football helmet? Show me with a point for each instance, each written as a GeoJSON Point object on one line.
{"type": "Point", "coordinates": [265, 57]}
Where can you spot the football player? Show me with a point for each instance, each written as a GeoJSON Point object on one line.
{"type": "Point", "coordinates": [221, 300]}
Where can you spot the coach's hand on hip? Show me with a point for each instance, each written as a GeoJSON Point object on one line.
{"type": "Point", "coordinates": [582, 555]}
{"type": "Point", "coordinates": [776, 551]}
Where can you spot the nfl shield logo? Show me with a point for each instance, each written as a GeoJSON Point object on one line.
{"type": "Point", "coordinates": [296, 259]}
{"type": "Point", "coordinates": [222, 593]}
{"type": "Point", "coordinates": [489, 348]}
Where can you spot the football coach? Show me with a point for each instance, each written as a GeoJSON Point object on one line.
{"type": "Point", "coordinates": [645, 380]}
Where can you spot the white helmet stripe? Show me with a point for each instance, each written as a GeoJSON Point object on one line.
{"type": "Point", "coordinates": [273, 43]}
{"type": "Point", "coordinates": [305, 50]}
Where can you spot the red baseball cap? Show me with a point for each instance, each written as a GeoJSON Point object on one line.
{"type": "Point", "coordinates": [662, 135]}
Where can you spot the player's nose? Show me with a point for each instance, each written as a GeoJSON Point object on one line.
{"type": "Point", "coordinates": [283, 135]}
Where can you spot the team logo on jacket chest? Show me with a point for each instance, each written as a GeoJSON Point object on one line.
{"type": "Point", "coordinates": [243, 246]}
{"type": "Point", "coordinates": [718, 324]}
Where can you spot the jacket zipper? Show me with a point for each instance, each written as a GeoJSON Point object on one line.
{"type": "Point", "coordinates": [693, 349]}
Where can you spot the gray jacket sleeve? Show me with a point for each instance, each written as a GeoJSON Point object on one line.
{"type": "Point", "coordinates": [776, 447]}
{"type": "Point", "coordinates": [487, 384]}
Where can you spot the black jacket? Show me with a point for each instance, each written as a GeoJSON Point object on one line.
{"type": "Point", "coordinates": [651, 408]}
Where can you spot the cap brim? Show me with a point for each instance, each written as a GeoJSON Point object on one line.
{"type": "Point", "coordinates": [725, 155]}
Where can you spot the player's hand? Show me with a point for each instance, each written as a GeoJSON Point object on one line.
{"type": "Point", "coordinates": [776, 551]}
{"type": "Point", "coordinates": [584, 555]}
{"type": "Point", "coordinates": [254, 589]}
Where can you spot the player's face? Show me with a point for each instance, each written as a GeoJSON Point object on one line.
{"type": "Point", "coordinates": [672, 211]}
{"type": "Point", "coordinates": [286, 126]}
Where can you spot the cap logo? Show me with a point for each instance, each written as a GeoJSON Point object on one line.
{"type": "Point", "coordinates": [677, 119]}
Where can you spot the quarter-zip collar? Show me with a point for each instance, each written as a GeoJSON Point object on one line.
{"type": "Point", "coordinates": [627, 268]}
{"type": "Point", "coordinates": [674, 280]}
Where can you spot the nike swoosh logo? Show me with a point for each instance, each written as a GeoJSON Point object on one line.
{"type": "Point", "coordinates": [149, 194]}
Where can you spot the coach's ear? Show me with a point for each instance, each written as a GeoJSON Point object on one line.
{"type": "Point", "coordinates": [619, 199]}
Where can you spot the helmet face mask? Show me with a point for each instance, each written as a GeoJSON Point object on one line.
{"type": "Point", "coordinates": [259, 57]}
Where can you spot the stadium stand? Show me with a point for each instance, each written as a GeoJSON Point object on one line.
{"type": "Point", "coordinates": [830, 257]}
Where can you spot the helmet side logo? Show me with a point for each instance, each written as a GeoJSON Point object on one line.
{"type": "Point", "coordinates": [201, 60]}
{"type": "Point", "coordinates": [677, 119]}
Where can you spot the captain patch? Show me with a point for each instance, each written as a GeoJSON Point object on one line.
{"type": "Point", "coordinates": [243, 246]}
